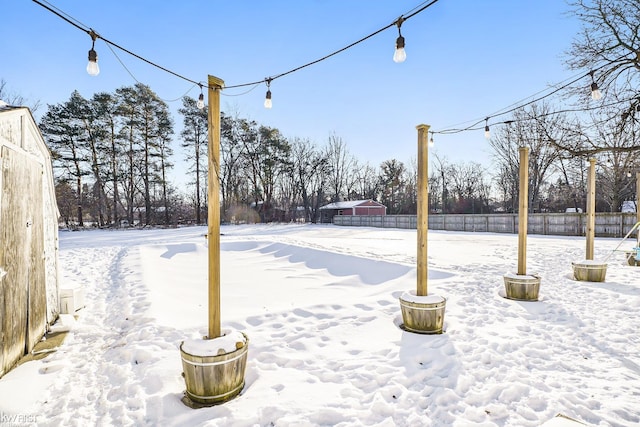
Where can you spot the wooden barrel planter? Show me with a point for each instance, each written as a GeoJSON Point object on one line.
{"type": "Point", "coordinates": [522, 287]}
{"type": "Point", "coordinates": [214, 369]}
{"type": "Point", "coordinates": [589, 271]}
{"type": "Point", "coordinates": [422, 314]}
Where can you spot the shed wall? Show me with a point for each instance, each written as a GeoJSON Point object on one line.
{"type": "Point", "coordinates": [28, 237]}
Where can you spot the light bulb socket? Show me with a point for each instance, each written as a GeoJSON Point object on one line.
{"type": "Point", "coordinates": [400, 42]}
{"type": "Point", "coordinates": [93, 55]}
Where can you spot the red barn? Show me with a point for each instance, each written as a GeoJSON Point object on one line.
{"type": "Point", "coordinates": [355, 207]}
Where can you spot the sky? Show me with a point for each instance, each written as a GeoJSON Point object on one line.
{"type": "Point", "coordinates": [319, 305]}
{"type": "Point", "coordinates": [466, 59]}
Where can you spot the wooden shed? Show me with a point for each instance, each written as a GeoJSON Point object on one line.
{"type": "Point", "coordinates": [28, 236]}
{"type": "Point", "coordinates": [354, 207]}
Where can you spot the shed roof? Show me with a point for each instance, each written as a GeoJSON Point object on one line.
{"type": "Point", "coordinates": [350, 204]}
{"type": "Point", "coordinates": [4, 106]}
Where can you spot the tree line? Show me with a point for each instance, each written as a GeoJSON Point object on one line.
{"type": "Point", "coordinates": [113, 155]}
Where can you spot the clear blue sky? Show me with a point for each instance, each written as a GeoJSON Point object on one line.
{"type": "Point", "coordinates": [465, 60]}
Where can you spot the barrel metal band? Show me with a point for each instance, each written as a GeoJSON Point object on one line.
{"type": "Point", "coordinates": [222, 362]}
{"type": "Point", "coordinates": [217, 396]}
{"type": "Point", "coordinates": [422, 308]}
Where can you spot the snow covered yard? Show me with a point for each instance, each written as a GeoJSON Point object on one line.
{"type": "Point", "coordinates": [319, 304]}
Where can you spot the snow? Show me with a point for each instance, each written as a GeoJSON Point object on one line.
{"type": "Point", "coordinates": [64, 323]}
{"type": "Point", "coordinates": [320, 307]}
{"type": "Point", "coordinates": [586, 263]}
{"type": "Point", "coordinates": [515, 276]}
{"type": "Point", "coordinates": [412, 296]}
{"type": "Point", "coordinates": [228, 342]}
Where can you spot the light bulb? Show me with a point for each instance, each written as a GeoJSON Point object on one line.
{"type": "Point", "coordinates": [628, 174]}
{"type": "Point", "coordinates": [92, 66]}
{"type": "Point", "coordinates": [595, 92]}
{"type": "Point", "coordinates": [267, 100]}
{"type": "Point", "coordinates": [487, 133]}
{"type": "Point", "coordinates": [399, 55]}
{"type": "Point", "coordinates": [431, 143]}
{"type": "Point", "coordinates": [200, 103]}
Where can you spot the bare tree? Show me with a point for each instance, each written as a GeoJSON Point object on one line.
{"type": "Point", "coordinates": [341, 165]}
{"type": "Point", "coordinates": [608, 44]}
{"type": "Point", "coordinates": [236, 173]}
{"type": "Point", "coordinates": [366, 183]}
{"type": "Point", "coordinates": [537, 128]}
{"type": "Point", "coordinates": [309, 171]}
{"type": "Point", "coordinates": [441, 174]}
{"type": "Point", "coordinates": [470, 187]}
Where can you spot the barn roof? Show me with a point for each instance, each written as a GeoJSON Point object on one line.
{"type": "Point", "coordinates": [350, 204]}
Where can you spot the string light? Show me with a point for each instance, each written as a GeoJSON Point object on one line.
{"type": "Point", "coordinates": [521, 104]}
{"type": "Point", "coordinates": [595, 91]}
{"type": "Point", "coordinates": [267, 100]}
{"type": "Point", "coordinates": [487, 133]}
{"type": "Point", "coordinates": [200, 103]}
{"type": "Point", "coordinates": [431, 143]}
{"type": "Point", "coordinates": [399, 55]}
{"type": "Point", "coordinates": [93, 57]}
{"type": "Point", "coordinates": [399, 44]}
{"type": "Point", "coordinates": [92, 66]}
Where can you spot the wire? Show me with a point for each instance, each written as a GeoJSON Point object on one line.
{"type": "Point", "coordinates": [138, 81]}
{"type": "Point", "coordinates": [277, 76]}
{"type": "Point", "coordinates": [415, 8]}
{"type": "Point", "coordinates": [63, 15]}
{"type": "Point", "coordinates": [518, 105]}
{"type": "Point", "coordinates": [566, 110]}
{"type": "Point", "coordinates": [394, 23]}
{"type": "Point", "coordinates": [242, 93]}
{"type": "Point", "coordinates": [122, 63]}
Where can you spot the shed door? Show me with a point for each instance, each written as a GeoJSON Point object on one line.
{"type": "Point", "coordinates": [22, 289]}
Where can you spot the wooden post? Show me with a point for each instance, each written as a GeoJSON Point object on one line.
{"type": "Point", "coordinates": [523, 208]}
{"type": "Point", "coordinates": [638, 199]}
{"type": "Point", "coordinates": [423, 208]}
{"type": "Point", "coordinates": [213, 202]}
{"type": "Point", "coordinates": [591, 208]}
